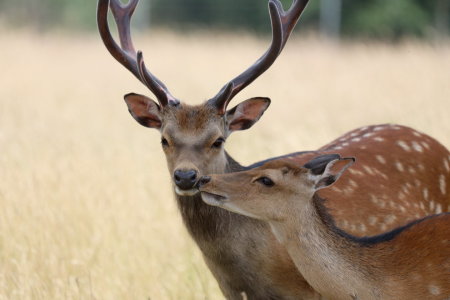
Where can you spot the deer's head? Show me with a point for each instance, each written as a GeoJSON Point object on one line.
{"type": "Point", "coordinates": [192, 137]}
{"type": "Point", "coordinates": [271, 192]}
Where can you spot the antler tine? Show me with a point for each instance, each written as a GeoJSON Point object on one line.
{"type": "Point", "coordinates": [283, 22]}
{"type": "Point", "coordinates": [126, 53]}
{"type": "Point", "coordinates": [122, 14]}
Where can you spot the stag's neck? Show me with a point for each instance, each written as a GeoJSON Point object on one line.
{"type": "Point", "coordinates": [323, 253]}
{"type": "Point", "coordinates": [208, 223]}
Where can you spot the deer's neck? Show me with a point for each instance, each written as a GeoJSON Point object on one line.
{"type": "Point", "coordinates": [205, 222]}
{"type": "Point", "coordinates": [323, 254]}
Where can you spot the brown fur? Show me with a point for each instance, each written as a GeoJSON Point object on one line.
{"type": "Point", "coordinates": [372, 206]}
{"type": "Point", "coordinates": [242, 253]}
{"type": "Point", "coordinates": [411, 262]}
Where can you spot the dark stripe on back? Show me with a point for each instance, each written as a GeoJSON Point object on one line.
{"type": "Point", "coordinates": [365, 241]}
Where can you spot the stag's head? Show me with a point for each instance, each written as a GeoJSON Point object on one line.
{"type": "Point", "coordinates": [192, 137]}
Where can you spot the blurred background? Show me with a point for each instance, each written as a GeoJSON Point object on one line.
{"type": "Point", "coordinates": [86, 204]}
{"type": "Point", "coordinates": [381, 19]}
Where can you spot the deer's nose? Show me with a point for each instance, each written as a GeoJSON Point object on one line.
{"type": "Point", "coordinates": [203, 180]}
{"type": "Point", "coordinates": [185, 179]}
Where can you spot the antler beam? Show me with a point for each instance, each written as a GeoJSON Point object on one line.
{"type": "Point", "coordinates": [283, 22]}
{"type": "Point", "coordinates": [126, 53]}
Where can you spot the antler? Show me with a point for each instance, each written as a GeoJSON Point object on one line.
{"type": "Point", "coordinates": [283, 22]}
{"type": "Point", "coordinates": [126, 53]}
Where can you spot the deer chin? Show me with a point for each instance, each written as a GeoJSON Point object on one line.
{"type": "Point", "coordinates": [213, 199]}
{"type": "Point", "coordinates": [190, 193]}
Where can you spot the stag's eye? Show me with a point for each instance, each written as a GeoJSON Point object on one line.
{"type": "Point", "coordinates": [164, 142]}
{"type": "Point", "coordinates": [218, 143]}
{"type": "Point", "coordinates": [265, 181]}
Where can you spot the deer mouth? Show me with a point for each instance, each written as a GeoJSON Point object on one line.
{"type": "Point", "coordinates": [190, 192]}
{"type": "Point", "coordinates": [213, 199]}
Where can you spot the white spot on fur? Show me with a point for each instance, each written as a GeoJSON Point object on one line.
{"type": "Point", "coordinates": [352, 183]}
{"type": "Point", "coordinates": [402, 208]}
{"type": "Point", "coordinates": [403, 145]}
{"type": "Point", "coordinates": [434, 290]}
{"type": "Point", "coordinates": [362, 228]}
{"type": "Point", "coordinates": [401, 196]}
{"type": "Point", "coordinates": [425, 144]}
{"type": "Point", "coordinates": [335, 189]}
{"type": "Point", "coordinates": [438, 208]}
{"type": "Point", "coordinates": [354, 134]}
{"type": "Point", "coordinates": [345, 144]}
{"type": "Point", "coordinates": [422, 205]}
{"type": "Point", "coordinates": [425, 193]}
{"type": "Point", "coordinates": [378, 128]}
{"type": "Point", "coordinates": [432, 205]}
{"type": "Point", "coordinates": [381, 174]}
{"type": "Point", "coordinates": [395, 127]}
{"type": "Point", "coordinates": [366, 135]}
{"type": "Point", "coordinates": [363, 147]}
{"type": "Point", "coordinates": [421, 167]}
{"type": "Point", "coordinates": [446, 165]}
{"type": "Point", "coordinates": [389, 219]}
{"type": "Point", "coordinates": [356, 172]}
{"type": "Point", "coordinates": [338, 148]}
{"type": "Point", "coordinates": [411, 170]}
{"type": "Point", "coordinates": [417, 133]}
{"type": "Point", "coordinates": [442, 184]}
{"type": "Point", "coordinates": [374, 199]}
{"type": "Point", "coordinates": [399, 166]}
{"type": "Point", "coordinates": [405, 189]}
{"type": "Point", "coordinates": [373, 220]}
{"type": "Point", "coordinates": [356, 139]}
{"type": "Point", "coordinates": [417, 147]}
{"type": "Point", "coordinates": [378, 139]}
{"type": "Point", "coordinates": [380, 159]}
{"type": "Point", "coordinates": [417, 182]}
{"type": "Point", "coordinates": [363, 128]}
{"type": "Point", "coordinates": [369, 170]}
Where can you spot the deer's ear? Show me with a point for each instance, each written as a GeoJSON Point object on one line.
{"type": "Point", "coordinates": [326, 169]}
{"type": "Point", "coordinates": [246, 113]}
{"type": "Point", "coordinates": [144, 110]}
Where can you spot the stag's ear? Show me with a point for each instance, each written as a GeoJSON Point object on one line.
{"type": "Point", "coordinates": [326, 169]}
{"type": "Point", "coordinates": [246, 113]}
{"type": "Point", "coordinates": [144, 110]}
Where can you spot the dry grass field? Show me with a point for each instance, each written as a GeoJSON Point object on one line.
{"type": "Point", "coordinates": [86, 208]}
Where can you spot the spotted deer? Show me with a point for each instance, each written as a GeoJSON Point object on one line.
{"type": "Point", "coordinates": [193, 139]}
{"type": "Point", "coordinates": [411, 262]}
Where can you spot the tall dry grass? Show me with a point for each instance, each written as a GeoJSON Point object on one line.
{"type": "Point", "coordinates": [86, 209]}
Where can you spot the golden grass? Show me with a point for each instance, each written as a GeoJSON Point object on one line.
{"type": "Point", "coordinates": [86, 205]}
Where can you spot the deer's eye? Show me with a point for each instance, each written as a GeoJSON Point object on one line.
{"type": "Point", "coordinates": [265, 181]}
{"type": "Point", "coordinates": [218, 143]}
{"type": "Point", "coordinates": [164, 142]}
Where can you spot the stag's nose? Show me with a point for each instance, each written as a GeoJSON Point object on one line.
{"type": "Point", "coordinates": [203, 180]}
{"type": "Point", "coordinates": [185, 179]}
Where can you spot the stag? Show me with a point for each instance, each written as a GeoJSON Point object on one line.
{"type": "Point", "coordinates": [241, 253]}
{"type": "Point", "coordinates": [410, 262]}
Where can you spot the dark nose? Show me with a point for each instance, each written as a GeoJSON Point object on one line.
{"type": "Point", "coordinates": [203, 180]}
{"type": "Point", "coordinates": [185, 179]}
